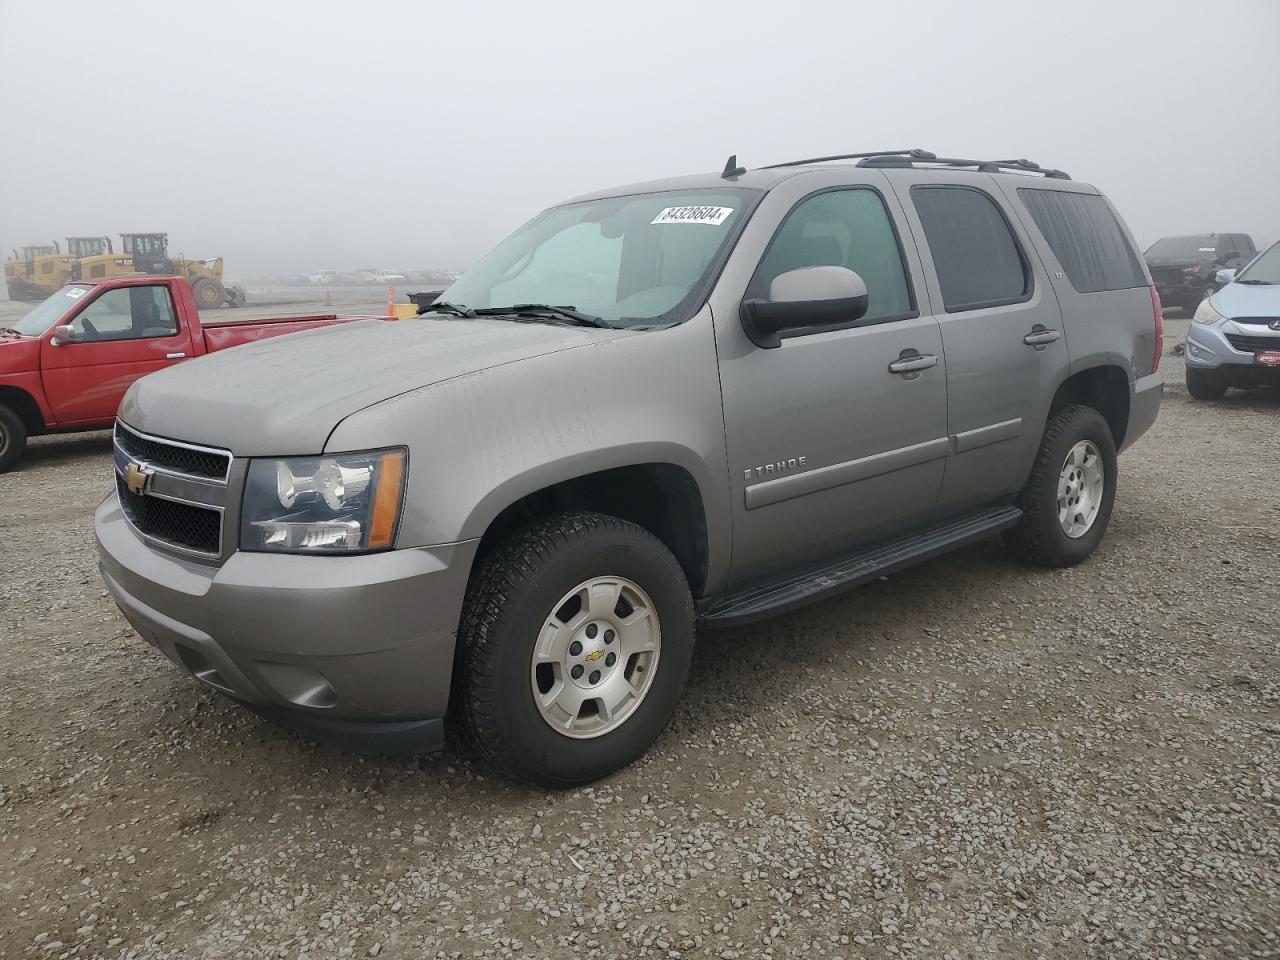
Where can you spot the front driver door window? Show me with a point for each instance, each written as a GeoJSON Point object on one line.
{"type": "Point", "coordinates": [127, 313]}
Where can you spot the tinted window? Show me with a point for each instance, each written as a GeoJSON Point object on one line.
{"type": "Point", "coordinates": [1087, 240]}
{"type": "Point", "coordinates": [977, 259]}
{"type": "Point", "coordinates": [842, 228]}
{"type": "Point", "coordinates": [1190, 248]}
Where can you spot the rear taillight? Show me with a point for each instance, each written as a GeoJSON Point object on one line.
{"type": "Point", "coordinates": [1158, 316]}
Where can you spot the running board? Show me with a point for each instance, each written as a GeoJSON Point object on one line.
{"type": "Point", "coordinates": [860, 568]}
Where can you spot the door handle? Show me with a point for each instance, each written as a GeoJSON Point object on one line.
{"type": "Point", "coordinates": [174, 356]}
{"type": "Point", "coordinates": [913, 363]}
{"type": "Point", "coordinates": [1040, 337]}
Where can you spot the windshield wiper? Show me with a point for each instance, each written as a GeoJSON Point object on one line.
{"type": "Point", "coordinates": [10, 332]}
{"type": "Point", "coordinates": [454, 309]}
{"type": "Point", "coordinates": [1259, 283]}
{"type": "Point", "coordinates": [541, 311]}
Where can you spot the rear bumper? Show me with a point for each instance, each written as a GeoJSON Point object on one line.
{"type": "Point", "coordinates": [355, 648]}
{"type": "Point", "coordinates": [1144, 407]}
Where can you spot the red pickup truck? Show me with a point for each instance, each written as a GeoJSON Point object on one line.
{"type": "Point", "coordinates": [66, 365]}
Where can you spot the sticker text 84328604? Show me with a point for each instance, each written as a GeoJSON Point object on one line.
{"type": "Point", "coordinates": [709, 215]}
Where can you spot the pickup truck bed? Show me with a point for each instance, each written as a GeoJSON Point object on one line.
{"type": "Point", "coordinates": [66, 365]}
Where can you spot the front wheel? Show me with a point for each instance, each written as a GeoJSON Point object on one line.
{"type": "Point", "coordinates": [575, 642]}
{"type": "Point", "coordinates": [1205, 384]}
{"type": "Point", "coordinates": [13, 438]}
{"type": "Point", "coordinates": [1066, 503]}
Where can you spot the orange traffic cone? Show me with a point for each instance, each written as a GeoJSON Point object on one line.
{"type": "Point", "coordinates": [391, 301]}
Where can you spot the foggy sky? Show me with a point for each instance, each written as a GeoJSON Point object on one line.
{"type": "Point", "coordinates": [299, 136]}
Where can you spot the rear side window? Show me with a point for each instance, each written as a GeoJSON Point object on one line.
{"type": "Point", "coordinates": [979, 262]}
{"type": "Point", "coordinates": [1086, 238]}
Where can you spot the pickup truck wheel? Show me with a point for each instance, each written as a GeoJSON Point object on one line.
{"type": "Point", "coordinates": [208, 292]}
{"type": "Point", "coordinates": [13, 438]}
{"type": "Point", "coordinates": [1205, 384]}
{"type": "Point", "coordinates": [1066, 503]}
{"type": "Point", "coordinates": [575, 642]}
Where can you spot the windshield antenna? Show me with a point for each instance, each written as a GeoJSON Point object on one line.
{"type": "Point", "coordinates": [731, 168]}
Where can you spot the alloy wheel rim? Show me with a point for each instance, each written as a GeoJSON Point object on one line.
{"type": "Point", "coordinates": [1080, 486]}
{"type": "Point", "coordinates": [595, 657]}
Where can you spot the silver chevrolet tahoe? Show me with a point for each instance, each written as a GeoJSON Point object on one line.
{"type": "Point", "coordinates": [707, 399]}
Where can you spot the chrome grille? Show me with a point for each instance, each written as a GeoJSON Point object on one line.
{"type": "Point", "coordinates": [171, 492]}
{"type": "Point", "coordinates": [183, 458]}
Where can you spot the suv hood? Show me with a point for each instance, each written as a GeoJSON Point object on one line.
{"type": "Point", "coordinates": [1247, 300]}
{"type": "Point", "coordinates": [284, 396]}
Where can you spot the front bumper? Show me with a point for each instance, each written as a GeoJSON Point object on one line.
{"type": "Point", "coordinates": [1207, 348]}
{"type": "Point", "coordinates": [344, 644]}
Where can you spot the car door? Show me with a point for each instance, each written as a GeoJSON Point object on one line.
{"type": "Point", "coordinates": [828, 447]}
{"type": "Point", "coordinates": [118, 336]}
{"type": "Point", "coordinates": [1001, 330]}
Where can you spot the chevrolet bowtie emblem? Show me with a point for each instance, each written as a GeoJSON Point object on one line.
{"type": "Point", "coordinates": [136, 477]}
{"type": "Point", "coordinates": [593, 656]}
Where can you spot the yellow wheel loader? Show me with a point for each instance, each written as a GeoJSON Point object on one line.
{"type": "Point", "coordinates": [37, 272]}
{"type": "Point", "coordinates": [149, 253]}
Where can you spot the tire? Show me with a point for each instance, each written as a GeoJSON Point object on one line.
{"type": "Point", "coordinates": [209, 293]}
{"type": "Point", "coordinates": [1042, 537]}
{"type": "Point", "coordinates": [508, 614]}
{"type": "Point", "coordinates": [1205, 385]}
{"type": "Point", "coordinates": [13, 438]}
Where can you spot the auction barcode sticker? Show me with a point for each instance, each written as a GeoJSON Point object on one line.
{"type": "Point", "coordinates": [712, 215]}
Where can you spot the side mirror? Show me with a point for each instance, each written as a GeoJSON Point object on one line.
{"type": "Point", "coordinates": [807, 297]}
{"type": "Point", "coordinates": [63, 334]}
{"type": "Point", "coordinates": [1223, 277]}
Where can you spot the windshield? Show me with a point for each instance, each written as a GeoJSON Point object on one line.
{"type": "Point", "coordinates": [1183, 248]}
{"type": "Point", "coordinates": [1266, 268]}
{"type": "Point", "coordinates": [633, 260]}
{"type": "Point", "coordinates": [42, 317]}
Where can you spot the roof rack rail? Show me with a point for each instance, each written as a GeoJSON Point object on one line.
{"type": "Point", "coordinates": [982, 166]}
{"type": "Point", "coordinates": [915, 154]}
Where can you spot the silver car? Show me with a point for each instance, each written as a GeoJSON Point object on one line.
{"type": "Point", "coordinates": [700, 400]}
{"type": "Point", "coordinates": [1234, 340]}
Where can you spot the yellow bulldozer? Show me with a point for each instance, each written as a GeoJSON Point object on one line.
{"type": "Point", "coordinates": [149, 253]}
{"type": "Point", "coordinates": [37, 272]}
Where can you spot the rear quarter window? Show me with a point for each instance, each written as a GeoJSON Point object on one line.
{"type": "Point", "coordinates": [1086, 238]}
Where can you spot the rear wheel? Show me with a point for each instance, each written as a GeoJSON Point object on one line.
{"type": "Point", "coordinates": [574, 645]}
{"type": "Point", "coordinates": [1066, 503]}
{"type": "Point", "coordinates": [1205, 384]}
{"type": "Point", "coordinates": [13, 438]}
{"type": "Point", "coordinates": [209, 293]}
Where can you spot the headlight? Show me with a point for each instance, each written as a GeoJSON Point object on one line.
{"type": "Point", "coordinates": [346, 503]}
{"type": "Point", "coordinates": [1205, 313]}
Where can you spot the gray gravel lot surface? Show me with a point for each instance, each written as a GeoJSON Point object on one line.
{"type": "Point", "coordinates": [971, 759]}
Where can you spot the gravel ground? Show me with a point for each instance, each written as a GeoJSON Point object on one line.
{"type": "Point", "coordinates": [971, 759]}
